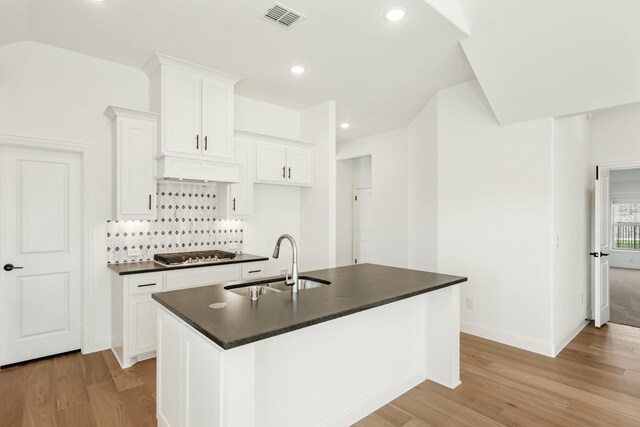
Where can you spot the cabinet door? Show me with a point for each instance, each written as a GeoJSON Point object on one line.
{"type": "Point", "coordinates": [217, 118]}
{"type": "Point", "coordinates": [242, 192]}
{"type": "Point", "coordinates": [271, 162]}
{"type": "Point", "coordinates": [299, 166]}
{"type": "Point", "coordinates": [182, 109]}
{"type": "Point", "coordinates": [142, 324]}
{"type": "Point", "coordinates": [136, 193]}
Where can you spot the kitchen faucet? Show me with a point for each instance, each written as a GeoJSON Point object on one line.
{"type": "Point", "coordinates": [294, 267]}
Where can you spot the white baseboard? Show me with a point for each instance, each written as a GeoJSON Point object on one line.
{"type": "Point", "coordinates": [569, 334]}
{"type": "Point", "coordinates": [376, 400]}
{"type": "Point", "coordinates": [508, 338]}
{"type": "Point", "coordinates": [97, 345]}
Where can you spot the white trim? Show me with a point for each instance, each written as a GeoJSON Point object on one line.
{"type": "Point", "coordinates": [376, 399]}
{"type": "Point", "coordinates": [114, 111]}
{"type": "Point", "coordinates": [508, 338]}
{"type": "Point", "coordinates": [569, 335]}
{"type": "Point", "coordinates": [89, 343]}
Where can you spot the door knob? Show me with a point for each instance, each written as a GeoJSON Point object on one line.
{"type": "Point", "coordinates": [9, 267]}
{"type": "Point", "coordinates": [594, 254]}
{"type": "Point", "coordinates": [603, 254]}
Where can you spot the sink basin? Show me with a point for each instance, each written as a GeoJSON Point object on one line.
{"type": "Point", "coordinates": [274, 285]}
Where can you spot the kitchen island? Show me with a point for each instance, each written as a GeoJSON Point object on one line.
{"type": "Point", "coordinates": [324, 356]}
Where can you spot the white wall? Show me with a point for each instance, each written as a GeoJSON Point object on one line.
{"type": "Point", "coordinates": [344, 208]}
{"type": "Point", "coordinates": [318, 203]}
{"type": "Point", "coordinates": [495, 217]}
{"type": "Point", "coordinates": [351, 174]}
{"type": "Point", "coordinates": [422, 169]}
{"type": "Point", "coordinates": [265, 118]}
{"type": "Point", "coordinates": [389, 176]}
{"type": "Point", "coordinates": [615, 134]}
{"type": "Point", "coordinates": [51, 93]}
{"type": "Point", "coordinates": [572, 193]}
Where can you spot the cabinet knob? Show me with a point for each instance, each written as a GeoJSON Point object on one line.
{"type": "Point", "coordinates": [205, 143]}
{"type": "Point", "coordinates": [197, 142]}
{"type": "Point", "coordinates": [234, 204]}
{"type": "Point", "coordinates": [289, 173]}
{"type": "Point", "coordinates": [284, 169]}
{"type": "Point", "coordinates": [149, 201]}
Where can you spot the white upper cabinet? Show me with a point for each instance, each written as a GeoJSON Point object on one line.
{"type": "Point", "coordinates": [181, 118]}
{"type": "Point", "coordinates": [196, 120]}
{"type": "Point", "coordinates": [217, 118]}
{"type": "Point", "coordinates": [134, 135]}
{"type": "Point", "coordinates": [281, 164]}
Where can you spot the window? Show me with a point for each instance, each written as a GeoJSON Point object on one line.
{"type": "Point", "coordinates": [626, 225]}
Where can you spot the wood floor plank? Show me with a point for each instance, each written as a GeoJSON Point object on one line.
{"type": "Point", "coordinates": [11, 409]}
{"type": "Point", "coordinates": [95, 368]}
{"type": "Point", "coordinates": [80, 415]}
{"type": "Point", "coordinates": [69, 381]}
{"type": "Point", "coordinates": [39, 395]}
{"type": "Point", "coordinates": [124, 379]}
{"type": "Point", "coordinates": [394, 415]}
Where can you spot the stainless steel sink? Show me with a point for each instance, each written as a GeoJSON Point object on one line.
{"type": "Point", "coordinates": [273, 285]}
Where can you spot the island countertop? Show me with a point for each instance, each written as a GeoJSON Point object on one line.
{"type": "Point", "coordinates": [126, 268]}
{"type": "Point", "coordinates": [352, 289]}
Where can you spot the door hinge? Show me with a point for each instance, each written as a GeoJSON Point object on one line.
{"type": "Point", "coordinates": [597, 172]}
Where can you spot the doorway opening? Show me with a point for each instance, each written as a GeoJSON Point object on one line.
{"type": "Point", "coordinates": [354, 223]}
{"type": "Point", "coordinates": [624, 261]}
{"type": "Point", "coordinates": [616, 244]}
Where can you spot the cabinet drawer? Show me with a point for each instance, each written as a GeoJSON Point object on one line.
{"type": "Point", "coordinates": [145, 283]}
{"type": "Point", "coordinates": [201, 276]}
{"type": "Point", "coordinates": [252, 270]}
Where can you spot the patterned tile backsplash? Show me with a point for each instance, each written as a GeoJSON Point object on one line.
{"type": "Point", "coordinates": [186, 222]}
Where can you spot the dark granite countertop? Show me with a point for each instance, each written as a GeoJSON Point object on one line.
{"type": "Point", "coordinates": [152, 267]}
{"type": "Point", "coordinates": [353, 289]}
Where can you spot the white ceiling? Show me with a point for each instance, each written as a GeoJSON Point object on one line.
{"type": "Point", "coordinates": [550, 58]}
{"type": "Point", "coordinates": [379, 73]}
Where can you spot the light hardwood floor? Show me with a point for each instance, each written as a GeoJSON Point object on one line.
{"type": "Point", "coordinates": [594, 381]}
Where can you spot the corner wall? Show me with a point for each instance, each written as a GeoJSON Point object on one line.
{"type": "Point", "coordinates": [572, 194]}
{"type": "Point", "coordinates": [495, 218]}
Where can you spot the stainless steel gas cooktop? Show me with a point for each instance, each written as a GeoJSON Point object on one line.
{"type": "Point", "coordinates": [200, 257]}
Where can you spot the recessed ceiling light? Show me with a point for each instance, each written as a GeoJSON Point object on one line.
{"type": "Point", "coordinates": [345, 125]}
{"type": "Point", "coordinates": [395, 14]}
{"type": "Point", "coordinates": [297, 69]}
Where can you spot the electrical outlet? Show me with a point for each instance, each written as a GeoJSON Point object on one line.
{"type": "Point", "coordinates": [469, 303]}
{"type": "Point", "coordinates": [133, 252]}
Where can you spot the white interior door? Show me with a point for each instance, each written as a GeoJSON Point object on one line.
{"type": "Point", "coordinates": [602, 247]}
{"type": "Point", "coordinates": [362, 226]}
{"type": "Point", "coordinates": [40, 235]}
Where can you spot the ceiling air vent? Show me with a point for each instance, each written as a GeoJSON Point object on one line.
{"type": "Point", "coordinates": [283, 15]}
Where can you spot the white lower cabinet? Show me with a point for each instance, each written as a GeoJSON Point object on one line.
{"type": "Point", "coordinates": [133, 310]}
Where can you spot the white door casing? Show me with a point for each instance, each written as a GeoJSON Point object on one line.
{"type": "Point", "coordinates": [602, 247]}
{"type": "Point", "coordinates": [40, 230]}
{"type": "Point", "coordinates": [362, 226]}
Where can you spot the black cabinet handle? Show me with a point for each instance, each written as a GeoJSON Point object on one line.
{"type": "Point", "coordinates": [284, 168]}
{"type": "Point", "coordinates": [149, 201]}
{"type": "Point", "coordinates": [594, 254]}
{"type": "Point", "coordinates": [197, 142]}
{"type": "Point", "coordinates": [234, 204]}
{"type": "Point", "coordinates": [289, 173]}
{"type": "Point", "coordinates": [603, 254]}
{"type": "Point", "coordinates": [147, 284]}
{"type": "Point", "coordinates": [10, 267]}
{"type": "Point", "coordinates": [205, 143]}
{"type": "Point", "coordinates": [254, 271]}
